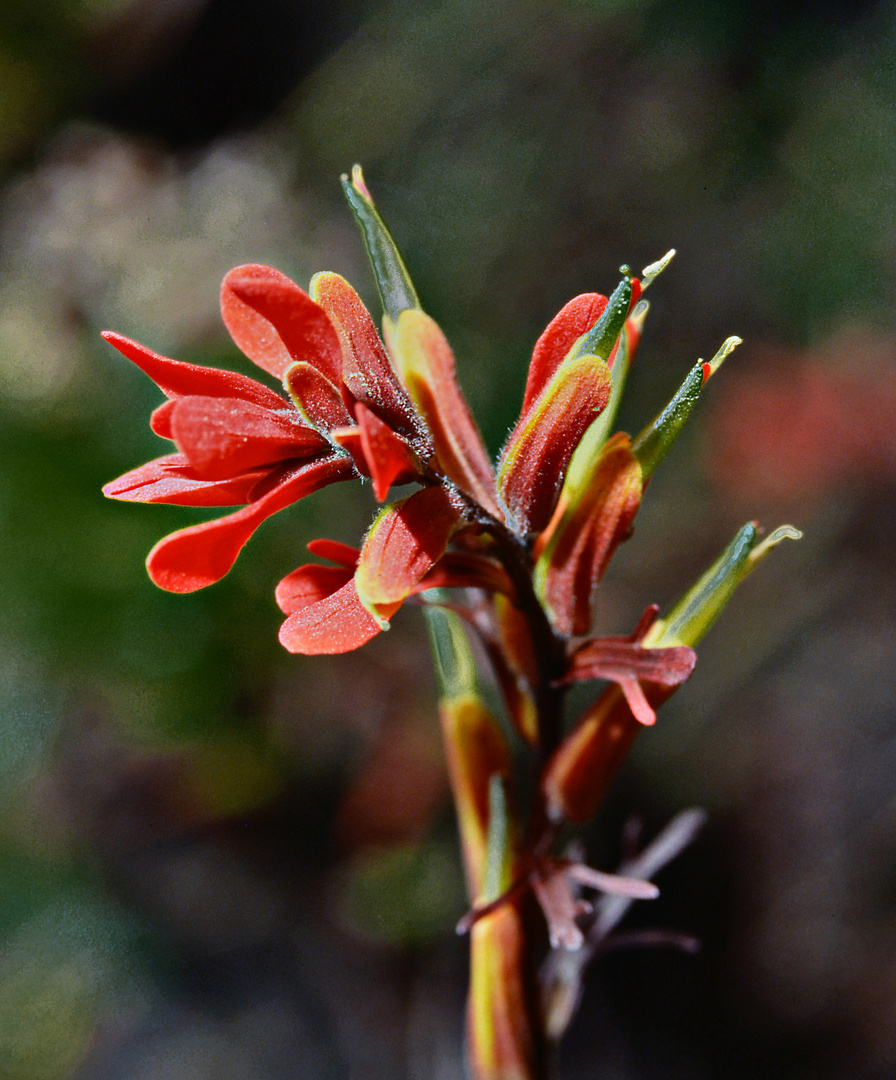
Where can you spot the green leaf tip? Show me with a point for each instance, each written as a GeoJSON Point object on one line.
{"type": "Point", "coordinates": [650, 273]}
{"type": "Point", "coordinates": [357, 182]}
{"type": "Point", "coordinates": [728, 347]}
{"type": "Point", "coordinates": [454, 661]}
{"type": "Point", "coordinates": [701, 605]}
{"type": "Point", "coordinates": [698, 609]}
{"type": "Point", "coordinates": [656, 440]}
{"type": "Point", "coordinates": [396, 290]}
{"type": "Point", "coordinates": [601, 338]}
{"type": "Point", "coordinates": [783, 532]}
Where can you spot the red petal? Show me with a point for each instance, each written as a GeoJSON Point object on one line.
{"type": "Point", "coordinates": [319, 398]}
{"type": "Point", "coordinates": [637, 702]}
{"type": "Point", "coordinates": [221, 437]}
{"type": "Point", "coordinates": [160, 420]}
{"type": "Point", "coordinates": [336, 552]}
{"type": "Point", "coordinates": [536, 456]}
{"type": "Point", "coordinates": [610, 658]}
{"type": "Point", "coordinates": [426, 364]}
{"type": "Point", "coordinates": [627, 664]}
{"type": "Point", "coordinates": [202, 554]}
{"type": "Point", "coordinates": [404, 543]}
{"type": "Point", "coordinates": [309, 585]}
{"type": "Point", "coordinates": [170, 479]}
{"type": "Point", "coordinates": [334, 624]}
{"type": "Point", "coordinates": [378, 451]}
{"type": "Point", "coordinates": [178, 379]}
{"type": "Point", "coordinates": [274, 322]}
{"type": "Point", "coordinates": [366, 369]}
{"type": "Point", "coordinates": [562, 332]}
{"type": "Point", "coordinates": [588, 525]}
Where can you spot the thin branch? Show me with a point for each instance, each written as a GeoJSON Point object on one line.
{"type": "Point", "coordinates": [563, 970]}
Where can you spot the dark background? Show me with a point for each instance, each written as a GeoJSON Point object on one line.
{"type": "Point", "coordinates": [217, 860]}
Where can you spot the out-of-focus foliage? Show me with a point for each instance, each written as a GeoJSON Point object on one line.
{"type": "Point", "coordinates": [192, 822]}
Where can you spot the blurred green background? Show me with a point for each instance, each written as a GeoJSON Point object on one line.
{"type": "Point", "coordinates": [217, 860]}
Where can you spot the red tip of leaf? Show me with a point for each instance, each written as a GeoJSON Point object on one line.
{"type": "Point", "coordinates": [387, 457]}
{"type": "Point", "coordinates": [177, 379]}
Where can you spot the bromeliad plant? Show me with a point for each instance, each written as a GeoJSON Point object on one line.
{"type": "Point", "coordinates": [509, 554]}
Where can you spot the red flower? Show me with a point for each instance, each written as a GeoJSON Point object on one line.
{"type": "Point", "coordinates": [349, 409]}
{"type": "Point", "coordinates": [346, 415]}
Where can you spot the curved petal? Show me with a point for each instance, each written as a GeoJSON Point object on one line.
{"type": "Point", "coordinates": [425, 362]}
{"type": "Point", "coordinates": [224, 436]}
{"type": "Point", "coordinates": [336, 623]}
{"type": "Point", "coordinates": [318, 398]}
{"type": "Point", "coordinates": [562, 332]}
{"type": "Point", "coordinates": [275, 323]}
{"type": "Point", "coordinates": [627, 664]}
{"type": "Point", "coordinates": [171, 479]}
{"type": "Point", "coordinates": [202, 554]}
{"type": "Point", "coordinates": [343, 554]}
{"type": "Point", "coordinates": [403, 544]}
{"type": "Point", "coordinates": [310, 584]}
{"type": "Point", "coordinates": [540, 447]}
{"type": "Point", "coordinates": [378, 452]}
{"type": "Point", "coordinates": [176, 379]}
{"type": "Point", "coordinates": [592, 518]}
{"type": "Point", "coordinates": [366, 368]}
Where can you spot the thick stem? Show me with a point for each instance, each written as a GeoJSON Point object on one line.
{"type": "Point", "coordinates": [549, 648]}
{"type": "Point", "coordinates": [505, 1026]}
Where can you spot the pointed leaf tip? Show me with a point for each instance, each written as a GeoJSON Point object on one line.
{"type": "Point", "coordinates": [783, 532]}
{"type": "Point", "coordinates": [358, 182]}
{"type": "Point", "coordinates": [728, 347]}
{"type": "Point", "coordinates": [653, 271]}
{"type": "Point", "coordinates": [656, 440]}
{"type": "Point", "coordinates": [396, 290]}
{"type": "Point", "coordinates": [601, 338]}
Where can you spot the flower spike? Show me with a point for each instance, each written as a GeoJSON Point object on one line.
{"type": "Point", "coordinates": [510, 556]}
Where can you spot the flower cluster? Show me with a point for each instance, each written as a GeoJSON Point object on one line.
{"type": "Point", "coordinates": [352, 407]}
{"type": "Point", "coordinates": [527, 540]}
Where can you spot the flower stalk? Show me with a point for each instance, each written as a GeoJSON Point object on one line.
{"type": "Point", "coordinates": [507, 556]}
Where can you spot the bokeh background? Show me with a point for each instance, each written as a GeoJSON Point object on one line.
{"type": "Point", "coordinates": [219, 861]}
